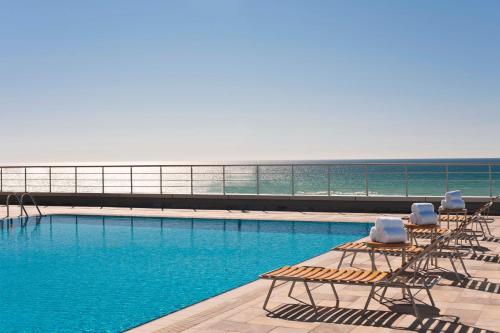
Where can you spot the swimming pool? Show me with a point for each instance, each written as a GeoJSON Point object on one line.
{"type": "Point", "coordinates": [108, 274]}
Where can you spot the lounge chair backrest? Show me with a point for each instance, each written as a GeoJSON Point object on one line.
{"type": "Point", "coordinates": [415, 260]}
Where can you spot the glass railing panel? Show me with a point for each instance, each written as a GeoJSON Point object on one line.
{"type": "Point", "coordinates": [208, 180]}
{"type": "Point", "coordinates": [63, 179]}
{"type": "Point", "coordinates": [13, 180]}
{"type": "Point", "coordinates": [426, 183]}
{"type": "Point", "coordinates": [176, 180]}
{"type": "Point", "coordinates": [347, 180]}
{"type": "Point", "coordinates": [37, 180]}
{"type": "Point", "coordinates": [472, 180]}
{"type": "Point", "coordinates": [311, 180]}
{"type": "Point", "coordinates": [146, 180]}
{"type": "Point", "coordinates": [275, 180]}
{"type": "Point", "coordinates": [89, 179]}
{"type": "Point", "coordinates": [117, 180]}
{"type": "Point", "coordinates": [240, 179]}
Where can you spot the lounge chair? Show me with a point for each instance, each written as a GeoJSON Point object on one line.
{"type": "Point", "coordinates": [446, 251]}
{"type": "Point", "coordinates": [466, 227]}
{"type": "Point", "coordinates": [402, 278]}
{"type": "Point", "coordinates": [354, 248]}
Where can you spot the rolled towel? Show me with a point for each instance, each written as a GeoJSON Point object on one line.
{"type": "Point", "coordinates": [419, 207]}
{"type": "Point", "coordinates": [388, 222]}
{"type": "Point", "coordinates": [452, 195]}
{"type": "Point", "coordinates": [392, 235]}
{"type": "Point", "coordinates": [413, 218]}
{"type": "Point", "coordinates": [388, 230]}
{"type": "Point", "coordinates": [424, 218]}
{"type": "Point", "coordinates": [453, 204]}
{"type": "Point", "coordinates": [373, 234]}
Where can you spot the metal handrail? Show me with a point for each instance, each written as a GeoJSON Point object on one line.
{"type": "Point", "coordinates": [27, 194]}
{"type": "Point", "coordinates": [7, 204]}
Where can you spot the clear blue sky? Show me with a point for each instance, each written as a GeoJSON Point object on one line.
{"type": "Point", "coordinates": [237, 80]}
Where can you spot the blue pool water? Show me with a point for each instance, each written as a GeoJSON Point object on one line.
{"type": "Point", "coordinates": [108, 274]}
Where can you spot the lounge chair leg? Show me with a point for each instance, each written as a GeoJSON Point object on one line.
{"type": "Point", "coordinates": [370, 296]}
{"type": "Point", "coordinates": [454, 268]}
{"type": "Point", "coordinates": [291, 289]}
{"type": "Point", "coordinates": [310, 297]}
{"type": "Point", "coordinates": [341, 259]}
{"type": "Point", "coordinates": [480, 223]}
{"type": "Point", "coordinates": [426, 265]}
{"type": "Point", "coordinates": [372, 257]}
{"type": "Point", "coordinates": [430, 296]}
{"type": "Point", "coordinates": [415, 309]}
{"type": "Point", "coordinates": [382, 296]}
{"type": "Point", "coordinates": [335, 293]}
{"type": "Point", "coordinates": [388, 262]}
{"type": "Point", "coordinates": [352, 260]}
{"type": "Point", "coordinates": [477, 240]}
{"type": "Point", "coordinates": [489, 231]}
{"type": "Point", "coordinates": [462, 263]}
{"type": "Point", "coordinates": [269, 296]}
{"type": "Point", "coordinates": [472, 246]}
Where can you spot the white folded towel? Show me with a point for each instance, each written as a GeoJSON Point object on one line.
{"type": "Point", "coordinates": [420, 207]}
{"type": "Point", "coordinates": [388, 230]}
{"type": "Point", "coordinates": [392, 235]}
{"type": "Point", "coordinates": [452, 195]}
{"type": "Point", "coordinates": [373, 234]}
{"type": "Point", "coordinates": [424, 218]}
{"type": "Point", "coordinates": [388, 222]}
{"type": "Point", "coordinates": [453, 204]}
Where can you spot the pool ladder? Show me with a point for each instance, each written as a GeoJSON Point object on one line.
{"type": "Point", "coordinates": [20, 200]}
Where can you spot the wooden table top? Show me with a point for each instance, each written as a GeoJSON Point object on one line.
{"type": "Point", "coordinates": [412, 226]}
{"type": "Point", "coordinates": [444, 210]}
{"type": "Point", "coordinates": [387, 245]}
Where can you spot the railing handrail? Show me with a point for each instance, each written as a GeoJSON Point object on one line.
{"type": "Point", "coordinates": [263, 163]}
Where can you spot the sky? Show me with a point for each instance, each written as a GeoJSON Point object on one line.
{"type": "Point", "coordinates": [125, 81]}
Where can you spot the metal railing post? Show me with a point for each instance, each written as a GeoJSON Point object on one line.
{"type": "Point", "coordinates": [329, 175]}
{"type": "Point", "coordinates": [131, 181]}
{"type": "Point", "coordinates": [366, 180]}
{"type": "Point", "coordinates": [446, 177]}
{"type": "Point", "coordinates": [257, 179]}
{"type": "Point", "coordinates": [25, 181]}
{"type": "Point", "coordinates": [50, 179]}
{"type": "Point", "coordinates": [406, 180]}
{"type": "Point", "coordinates": [76, 179]}
{"type": "Point", "coordinates": [293, 181]}
{"type": "Point", "coordinates": [490, 180]}
{"type": "Point", "coordinates": [1, 179]}
{"type": "Point", "coordinates": [161, 180]}
{"type": "Point", "coordinates": [102, 179]}
{"type": "Point", "coordinates": [191, 180]}
{"type": "Point", "coordinates": [224, 180]}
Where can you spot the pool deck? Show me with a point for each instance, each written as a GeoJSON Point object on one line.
{"type": "Point", "coordinates": [472, 306]}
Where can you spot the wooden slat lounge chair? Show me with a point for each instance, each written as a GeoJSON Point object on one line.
{"type": "Point", "coordinates": [446, 251]}
{"type": "Point", "coordinates": [482, 219]}
{"type": "Point", "coordinates": [401, 278]}
{"type": "Point", "coordinates": [354, 248]}
{"type": "Point", "coordinates": [465, 228]}
{"type": "Point", "coordinates": [485, 220]}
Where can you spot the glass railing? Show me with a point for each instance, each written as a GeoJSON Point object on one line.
{"type": "Point", "coordinates": [356, 179]}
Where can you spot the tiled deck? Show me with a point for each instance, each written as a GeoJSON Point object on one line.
{"type": "Point", "coordinates": [473, 306]}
